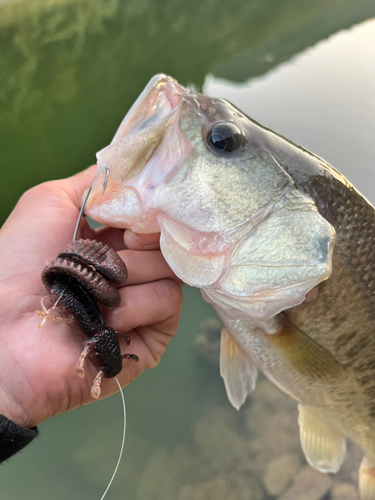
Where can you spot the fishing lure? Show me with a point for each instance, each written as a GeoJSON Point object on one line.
{"type": "Point", "coordinates": [81, 277]}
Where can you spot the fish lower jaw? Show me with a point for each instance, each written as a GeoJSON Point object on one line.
{"type": "Point", "coordinates": [120, 208]}
{"type": "Point", "coordinates": [138, 224]}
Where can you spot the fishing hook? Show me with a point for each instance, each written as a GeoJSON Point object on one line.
{"type": "Point", "coordinates": [85, 201]}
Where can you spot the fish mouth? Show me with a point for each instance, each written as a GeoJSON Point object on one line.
{"type": "Point", "coordinates": [135, 143]}
{"type": "Point", "coordinates": [161, 96]}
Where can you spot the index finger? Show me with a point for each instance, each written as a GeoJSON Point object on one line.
{"type": "Point", "coordinates": [145, 267]}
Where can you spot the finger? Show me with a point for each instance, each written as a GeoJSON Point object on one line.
{"type": "Point", "coordinates": [149, 344]}
{"type": "Point", "coordinates": [60, 199]}
{"type": "Point", "coordinates": [112, 237]}
{"type": "Point", "coordinates": [148, 304]}
{"type": "Point", "coordinates": [141, 241]}
{"type": "Point", "coordinates": [76, 185]}
{"type": "Point", "coordinates": [145, 267]}
{"type": "Point", "coordinates": [52, 192]}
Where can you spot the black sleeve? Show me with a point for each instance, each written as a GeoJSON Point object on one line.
{"type": "Point", "coordinates": [13, 437]}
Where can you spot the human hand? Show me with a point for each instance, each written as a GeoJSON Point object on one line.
{"type": "Point", "coordinates": [37, 371]}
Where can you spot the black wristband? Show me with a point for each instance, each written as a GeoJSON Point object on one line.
{"type": "Point", "coordinates": [13, 437]}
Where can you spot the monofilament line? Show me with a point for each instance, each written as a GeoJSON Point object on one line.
{"type": "Point", "coordinates": [122, 443]}
{"type": "Point", "coordinates": [58, 300]}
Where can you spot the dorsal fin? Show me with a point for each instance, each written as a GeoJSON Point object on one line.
{"type": "Point", "coordinates": [237, 369]}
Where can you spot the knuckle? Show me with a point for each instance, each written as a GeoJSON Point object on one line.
{"type": "Point", "coordinates": [37, 192]}
{"type": "Point", "coordinates": [154, 362]}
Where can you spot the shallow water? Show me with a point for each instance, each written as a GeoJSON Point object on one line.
{"type": "Point", "coordinates": [70, 70]}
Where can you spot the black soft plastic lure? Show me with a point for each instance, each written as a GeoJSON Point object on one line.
{"type": "Point", "coordinates": [82, 276]}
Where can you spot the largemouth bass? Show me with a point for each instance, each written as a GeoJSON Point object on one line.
{"type": "Point", "coordinates": [278, 241]}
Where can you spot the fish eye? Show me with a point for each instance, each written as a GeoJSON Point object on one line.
{"type": "Point", "coordinates": [225, 136]}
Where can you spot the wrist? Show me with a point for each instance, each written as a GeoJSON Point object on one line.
{"type": "Point", "coordinates": [7, 410]}
{"type": "Point", "coordinates": [14, 405]}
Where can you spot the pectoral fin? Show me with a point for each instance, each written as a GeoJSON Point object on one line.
{"type": "Point", "coordinates": [237, 370]}
{"type": "Point", "coordinates": [323, 446]}
{"type": "Point", "coordinates": [310, 359]}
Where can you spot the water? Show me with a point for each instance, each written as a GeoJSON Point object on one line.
{"type": "Point", "coordinates": [69, 72]}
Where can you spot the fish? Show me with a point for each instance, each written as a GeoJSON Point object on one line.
{"type": "Point", "coordinates": [279, 242]}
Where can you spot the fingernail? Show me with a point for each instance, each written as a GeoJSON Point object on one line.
{"type": "Point", "coordinates": [143, 239]}
{"type": "Point", "coordinates": [133, 235]}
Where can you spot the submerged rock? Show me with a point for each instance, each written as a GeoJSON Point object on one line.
{"type": "Point", "coordinates": [308, 485]}
{"type": "Point", "coordinates": [344, 491]}
{"type": "Point", "coordinates": [279, 473]}
{"type": "Point", "coordinates": [227, 487]}
{"type": "Point", "coordinates": [271, 426]}
{"type": "Point", "coordinates": [207, 341]}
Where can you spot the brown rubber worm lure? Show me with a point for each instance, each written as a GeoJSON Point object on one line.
{"type": "Point", "coordinates": [81, 277]}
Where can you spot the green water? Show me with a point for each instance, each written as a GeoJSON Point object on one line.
{"type": "Point", "coordinates": [69, 71]}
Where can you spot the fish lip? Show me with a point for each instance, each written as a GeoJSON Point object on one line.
{"type": "Point", "coordinates": [161, 97]}
{"type": "Point", "coordinates": [170, 89]}
{"type": "Point", "coordinates": [156, 108]}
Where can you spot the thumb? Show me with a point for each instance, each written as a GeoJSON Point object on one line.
{"type": "Point", "coordinates": [51, 208]}
{"type": "Point", "coordinates": [76, 185]}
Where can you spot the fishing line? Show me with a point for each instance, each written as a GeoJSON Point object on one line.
{"type": "Point", "coordinates": [122, 442]}
{"type": "Point", "coordinates": [58, 300]}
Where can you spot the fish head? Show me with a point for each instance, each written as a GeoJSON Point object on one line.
{"type": "Point", "coordinates": [205, 175]}
{"type": "Point", "coordinates": [168, 149]}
